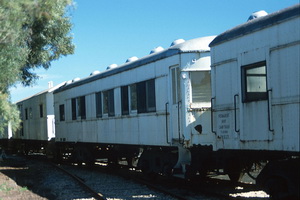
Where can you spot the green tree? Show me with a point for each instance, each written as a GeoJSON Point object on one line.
{"type": "Point", "coordinates": [33, 33]}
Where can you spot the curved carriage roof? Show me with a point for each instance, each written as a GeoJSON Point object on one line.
{"type": "Point", "coordinates": [49, 90]}
{"type": "Point", "coordinates": [257, 24]}
{"type": "Point", "coordinates": [194, 45]}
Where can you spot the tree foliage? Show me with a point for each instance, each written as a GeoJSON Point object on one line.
{"type": "Point", "coordinates": [33, 33]}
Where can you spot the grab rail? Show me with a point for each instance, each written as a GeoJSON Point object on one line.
{"type": "Point", "coordinates": [178, 118]}
{"type": "Point", "coordinates": [167, 124]}
{"type": "Point", "coordinates": [235, 115]}
{"type": "Point", "coordinates": [270, 110]}
{"type": "Point", "coordinates": [212, 116]}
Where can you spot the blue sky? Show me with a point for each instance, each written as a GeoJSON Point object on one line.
{"type": "Point", "coordinates": [107, 32]}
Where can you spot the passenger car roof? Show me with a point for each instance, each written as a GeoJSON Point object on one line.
{"type": "Point", "coordinates": [257, 24]}
{"type": "Point", "coordinates": [193, 45]}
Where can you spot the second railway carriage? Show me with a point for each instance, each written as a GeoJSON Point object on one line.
{"type": "Point", "coordinates": [151, 104]}
{"type": "Point", "coordinates": [37, 126]}
{"type": "Point", "coordinates": [256, 97]}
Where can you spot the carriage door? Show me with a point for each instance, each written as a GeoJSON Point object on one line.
{"type": "Point", "coordinates": [175, 103]}
{"type": "Point", "coordinates": [255, 112]}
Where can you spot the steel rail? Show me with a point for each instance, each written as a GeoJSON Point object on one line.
{"type": "Point", "coordinates": [95, 194]}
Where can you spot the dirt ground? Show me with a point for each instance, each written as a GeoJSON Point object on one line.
{"type": "Point", "coordinates": [16, 180]}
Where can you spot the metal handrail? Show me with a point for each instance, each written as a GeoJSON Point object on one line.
{"type": "Point", "coordinates": [167, 124]}
{"type": "Point", "coordinates": [211, 116]}
{"type": "Point", "coordinates": [235, 115]}
{"type": "Point", "coordinates": [270, 110]}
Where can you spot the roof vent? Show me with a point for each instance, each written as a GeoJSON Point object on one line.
{"type": "Point", "coordinates": [75, 79]}
{"type": "Point", "coordinates": [68, 82]}
{"type": "Point", "coordinates": [94, 73]}
{"type": "Point", "coordinates": [111, 66]}
{"type": "Point", "coordinates": [157, 49]}
{"type": "Point", "coordinates": [178, 41]}
{"type": "Point", "coordinates": [131, 59]}
{"type": "Point", "coordinates": [257, 14]}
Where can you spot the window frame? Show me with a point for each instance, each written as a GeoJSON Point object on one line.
{"type": "Point", "coordinates": [250, 96]}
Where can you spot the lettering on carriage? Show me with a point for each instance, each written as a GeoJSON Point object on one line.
{"type": "Point", "coordinates": [224, 125]}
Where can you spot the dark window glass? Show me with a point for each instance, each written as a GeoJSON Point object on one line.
{"type": "Point", "coordinates": [74, 116]}
{"type": "Point", "coordinates": [146, 96]}
{"type": "Point", "coordinates": [254, 82]}
{"type": "Point", "coordinates": [62, 112]}
{"type": "Point", "coordinates": [124, 100]}
{"type": "Point", "coordinates": [98, 105]}
{"type": "Point", "coordinates": [151, 95]}
{"type": "Point", "coordinates": [81, 107]}
{"type": "Point", "coordinates": [41, 111]}
{"type": "Point", "coordinates": [26, 114]}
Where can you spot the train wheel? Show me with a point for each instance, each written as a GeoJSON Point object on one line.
{"type": "Point", "coordinates": [235, 176]}
{"type": "Point", "coordinates": [277, 188]}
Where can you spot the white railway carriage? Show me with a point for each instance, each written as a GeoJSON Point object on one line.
{"type": "Point", "coordinates": [256, 94]}
{"type": "Point", "coordinates": [37, 126]}
{"type": "Point", "coordinates": [153, 103]}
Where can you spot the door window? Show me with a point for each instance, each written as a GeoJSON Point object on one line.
{"type": "Point", "coordinates": [254, 82]}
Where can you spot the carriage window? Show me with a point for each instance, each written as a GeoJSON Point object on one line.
{"type": "Point", "coordinates": [81, 107]}
{"type": "Point", "coordinates": [150, 86]}
{"type": "Point", "coordinates": [26, 113]}
{"type": "Point", "coordinates": [176, 97]}
{"type": "Point", "coordinates": [146, 96]}
{"type": "Point", "coordinates": [98, 105]}
{"type": "Point", "coordinates": [133, 97]}
{"type": "Point", "coordinates": [74, 116]}
{"type": "Point", "coordinates": [254, 80]}
{"type": "Point", "coordinates": [201, 88]}
{"type": "Point", "coordinates": [124, 100]}
{"type": "Point", "coordinates": [108, 102]}
{"type": "Point", "coordinates": [41, 111]}
{"type": "Point", "coordinates": [62, 112]}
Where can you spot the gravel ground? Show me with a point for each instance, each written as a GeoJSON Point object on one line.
{"type": "Point", "coordinates": [115, 187]}
{"type": "Point", "coordinates": [32, 179]}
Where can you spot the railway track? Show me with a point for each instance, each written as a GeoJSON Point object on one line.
{"type": "Point", "coordinates": [96, 195]}
{"type": "Point", "coordinates": [68, 181]}
{"type": "Point", "coordinates": [210, 189]}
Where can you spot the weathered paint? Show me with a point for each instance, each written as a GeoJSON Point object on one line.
{"type": "Point", "coordinates": [271, 124]}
